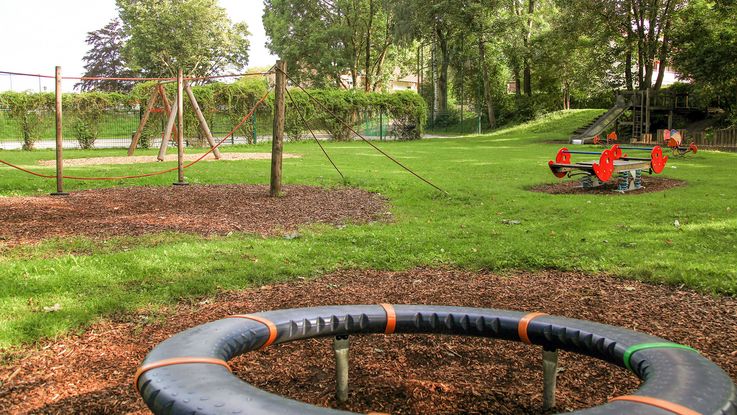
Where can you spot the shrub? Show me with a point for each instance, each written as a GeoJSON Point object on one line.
{"type": "Point", "coordinates": [87, 111]}
{"type": "Point", "coordinates": [407, 109]}
{"type": "Point", "coordinates": [30, 111]}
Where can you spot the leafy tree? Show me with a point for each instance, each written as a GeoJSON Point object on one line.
{"type": "Point", "coordinates": [104, 59]}
{"type": "Point", "coordinates": [325, 39]}
{"type": "Point", "coordinates": [705, 47]}
{"type": "Point", "coordinates": [431, 21]}
{"type": "Point", "coordinates": [196, 35]}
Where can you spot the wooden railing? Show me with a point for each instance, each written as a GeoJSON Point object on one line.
{"type": "Point", "coordinates": [723, 139]}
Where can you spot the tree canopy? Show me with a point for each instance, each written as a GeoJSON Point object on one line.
{"type": "Point", "coordinates": [196, 35]}
{"type": "Point", "coordinates": [105, 59]}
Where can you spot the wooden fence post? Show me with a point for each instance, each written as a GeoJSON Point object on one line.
{"type": "Point", "coordinates": [180, 129]}
{"type": "Point", "coordinates": [59, 138]}
{"type": "Point", "coordinates": [277, 143]}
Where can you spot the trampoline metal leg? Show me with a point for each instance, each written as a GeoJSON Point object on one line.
{"type": "Point", "coordinates": [550, 372]}
{"type": "Point", "coordinates": [340, 346]}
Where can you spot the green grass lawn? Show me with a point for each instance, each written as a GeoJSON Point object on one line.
{"type": "Point", "coordinates": [486, 176]}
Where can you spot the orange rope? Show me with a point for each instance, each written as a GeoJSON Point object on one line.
{"type": "Point", "coordinates": [103, 78]}
{"type": "Point", "coordinates": [202, 78]}
{"type": "Point", "coordinates": [246, 118]}
{"type": "Point", "coordinates": [26, 74]}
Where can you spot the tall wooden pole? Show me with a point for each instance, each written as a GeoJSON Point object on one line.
{"type": "Point", "coordinates": [277, 143]}
{"type": "Point", "coordinates": [142, 124]}
{"type": "Point", "coordinates": [201, 118]}
{"type": "Point", "coordinates": [180, 130]}
{"type": "Point", "coordinates": [59, 139]}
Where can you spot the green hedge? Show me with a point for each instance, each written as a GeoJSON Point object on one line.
{"type": "Point", "coordinates": [406, 109]}
{"type": "Point", "coordinates": [29, 116]}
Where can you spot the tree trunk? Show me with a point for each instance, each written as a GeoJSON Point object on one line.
{"type": "Point", "coordinates": [629, 82]}
{"type": "Point", "coordinates": [663, 55]}
{"type": "Point", "coordinates": [442, 95]}
{"type": "Point", "coordinates": [528, 33]}
{"type": "Point", "coordinates": [487, 88]}
{"type": "Point", "coordinates": [367, 71]}
{"type": "Point", "coordinates": [517, 81]}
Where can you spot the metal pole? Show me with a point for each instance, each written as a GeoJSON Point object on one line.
{"type": "Point", "coordinates": [340, 346]}
{"type": "Point", "coordinates": [277, 142]}
{"type": "Point", "coordinates": [463, 64]}
{"type": "Point", "coordinates": [478, 107]}
{"type": "Point", "coordinates": [253, 124]}
{"type": "Point", "coordinates": [59, 139]}
{"type": "Point", "coordinates": [381, 124]}
{"type": "Point", "coordinates": [550, 372]}
{"type": "Point", "coordinates": [180, 129]}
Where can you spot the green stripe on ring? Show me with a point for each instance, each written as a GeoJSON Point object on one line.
{"type": "Point", "coordinates": [643, 346]}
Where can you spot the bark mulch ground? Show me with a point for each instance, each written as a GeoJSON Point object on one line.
{"type": "Point", "coordinates": [571, 187]}
{"type": "Point", "coordinates": [400, 374]}
{"type": "Point", "coordinates": [202, 209]}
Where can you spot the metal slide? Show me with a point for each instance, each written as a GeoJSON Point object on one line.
{"type": "Point", "coordinates": [603, 123]}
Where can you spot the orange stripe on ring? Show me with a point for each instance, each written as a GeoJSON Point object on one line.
{"type": "Point", "coordinates": [178, 361]}
{"type": "Point", "coordinates": [658, 403]}
{"type": "Point", "coordinates": [524, 322]}
{"type": "Point", "coordinates": [268, 323]}
{"type": "Point", "coordinates": [391, 318]}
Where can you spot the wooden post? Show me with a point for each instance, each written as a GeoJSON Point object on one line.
{"type": "Point", "coordinates": [171, 129]}
{"type": "Point", "coordinates": [277, 143]}
{"type": "Point", "coordinates": [180, 129]}
{"type": "Point", "coordinates": [201, 118]}
{"type": "Point", "coordinates": [59, 139]}
{"type": "Point", "coordinates": [167, 133]}
{"type": "Point", "coordinates": [142, 124]}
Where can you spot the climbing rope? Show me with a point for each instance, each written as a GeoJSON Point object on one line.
{"type": "Point", "coordinates": [349, 127]}
{"type": "Point", "coordinates": [304, 121]}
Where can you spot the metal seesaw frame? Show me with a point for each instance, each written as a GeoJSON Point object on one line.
{"type": "Point", "coordinates": [611, 161]}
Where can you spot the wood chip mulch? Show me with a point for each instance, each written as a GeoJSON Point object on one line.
{"type": "Point", "coordinates": [570, 187]}
{"type": "Point", "coordinates": [201, 209]}
{"type": "Point", "coordinates": [400, 374]}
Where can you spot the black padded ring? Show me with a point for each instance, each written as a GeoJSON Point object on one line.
{"type": "Point", "coordinates": [675, 375]}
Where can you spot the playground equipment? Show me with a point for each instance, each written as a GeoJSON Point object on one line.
{"type": "Point", "coordinates": [611, 138]}
{"type": "Point", "coordinates": [611, 161]}
{"type": "Point", "coordinates": [635, 109]}
{"type": "Point", "coordinates": [189, 373]}
{"type": "Point", "coordinates": [674, 139]}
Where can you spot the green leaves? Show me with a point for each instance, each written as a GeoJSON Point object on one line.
{"type": "Point", "coordinates": [196, 35]}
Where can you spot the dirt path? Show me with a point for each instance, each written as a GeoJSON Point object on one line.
{"type": "Point", "coordinates": [202, 209]}
{"type": "Point", "coordinates": [402, 374]}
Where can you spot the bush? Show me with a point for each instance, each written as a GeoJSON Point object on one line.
{"type": "Point", "coordinates": [87, 111]}
{"type": "Point", "coordinates": [407, 109]}
{"type": "Point", "coordinates": [84, 112]}
{"type": "Point", "coordinates": [30, 111]}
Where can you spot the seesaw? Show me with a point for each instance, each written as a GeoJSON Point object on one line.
{"type": "Point", "coordinates": [610, 162]}
{"type": "Point", "coordinates": [674, 141]}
